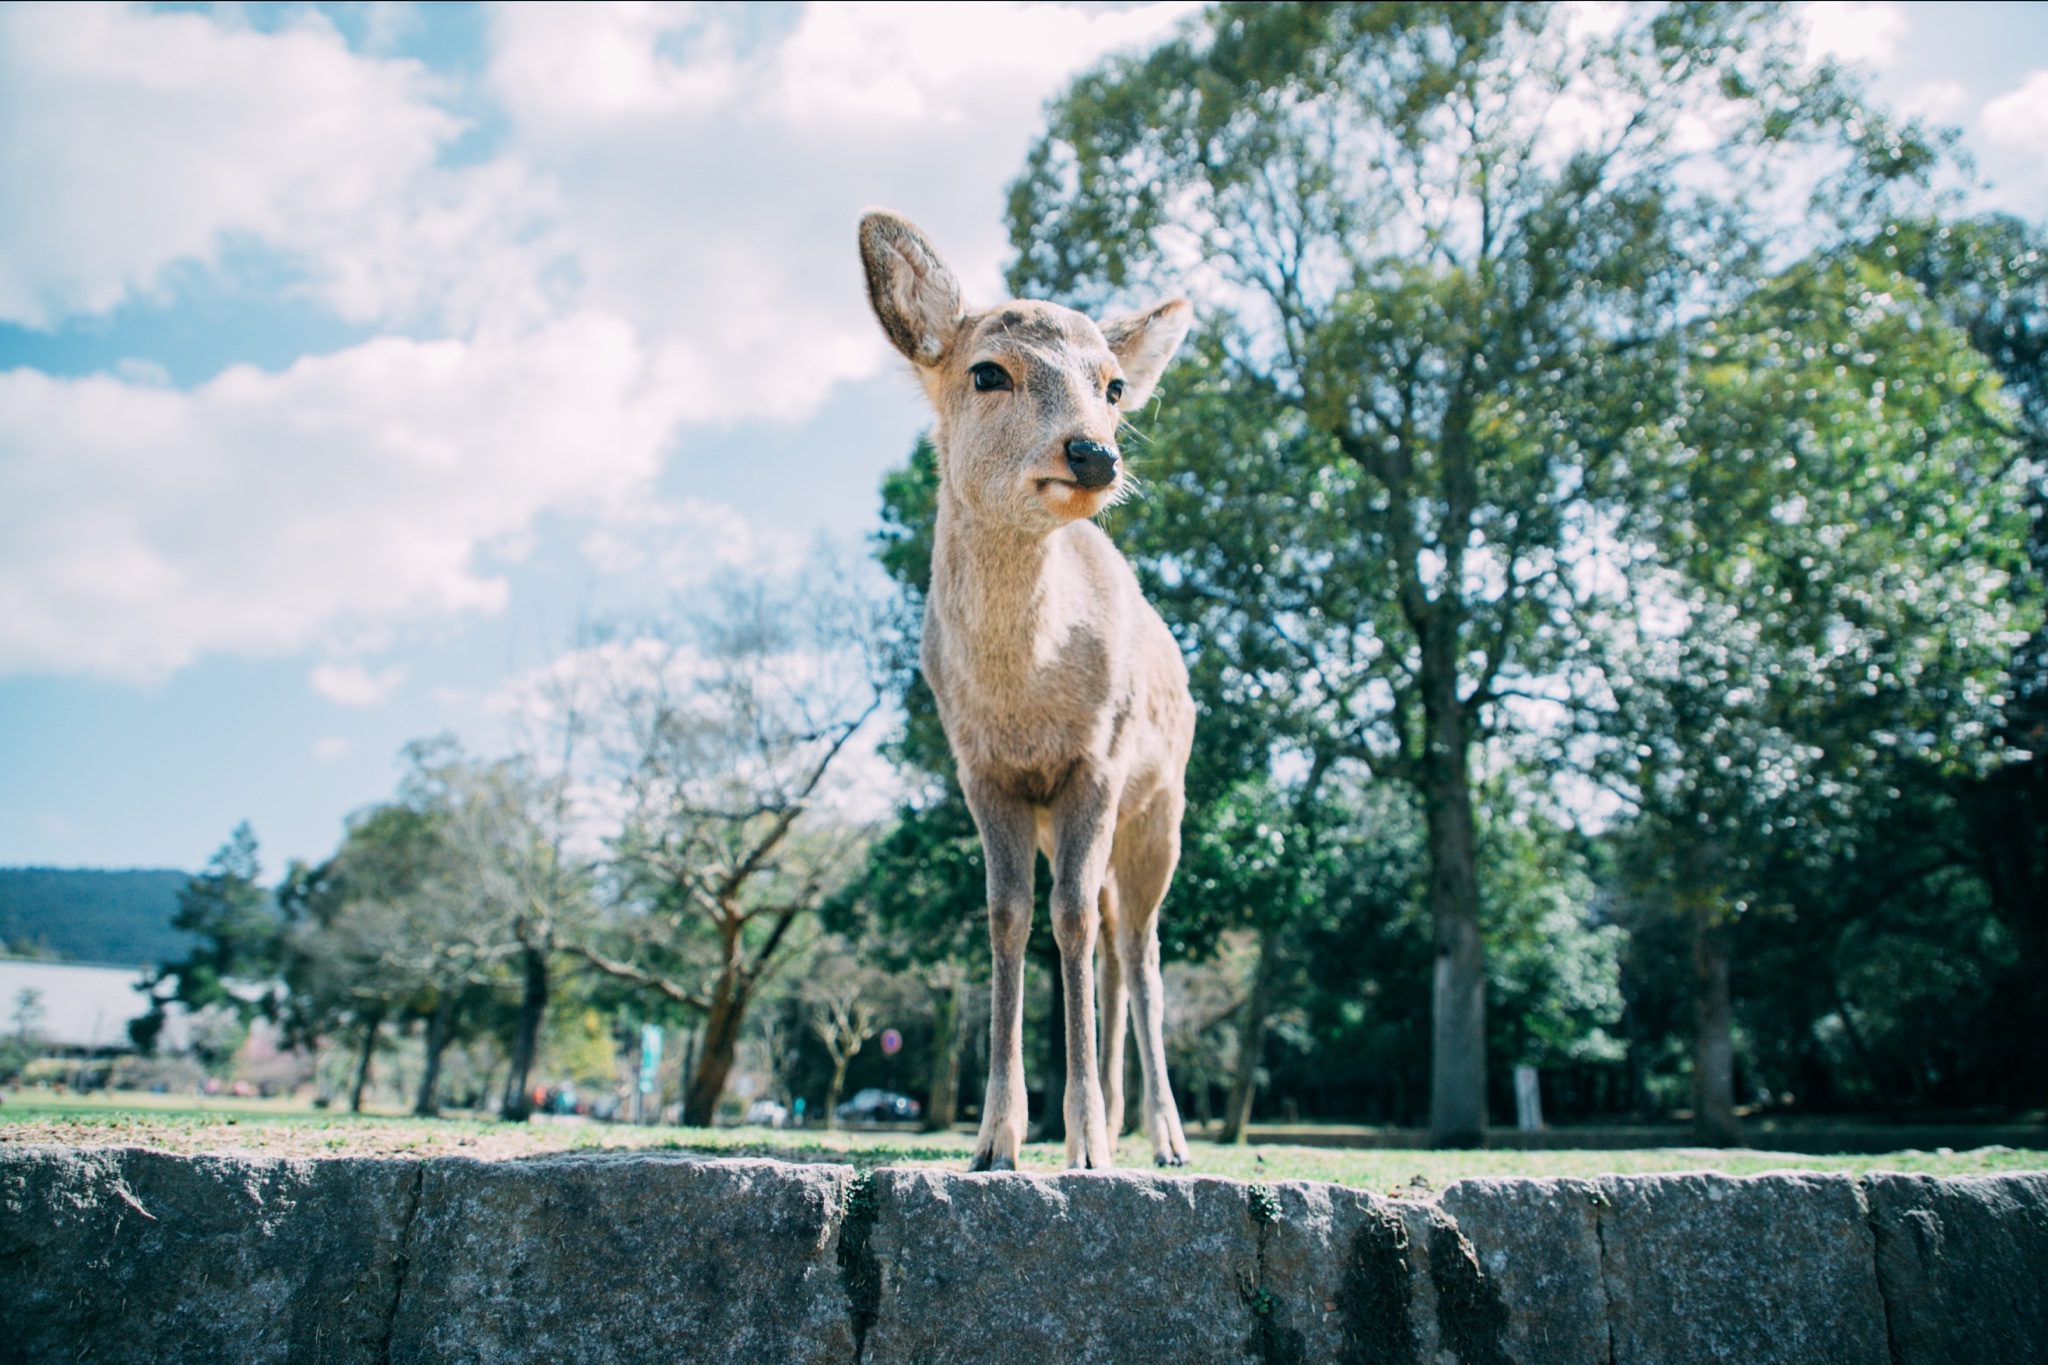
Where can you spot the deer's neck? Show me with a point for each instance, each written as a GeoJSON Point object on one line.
{"type": "Point", "coordinates": [994, 586]}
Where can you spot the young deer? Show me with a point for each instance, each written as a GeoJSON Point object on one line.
{"type": "Point", "coordinates": [1063, 695]}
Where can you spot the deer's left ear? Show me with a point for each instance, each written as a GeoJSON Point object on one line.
{"type": "Point", "coordinates": [915, 297]}
{"type": "Point", "coordinates": [1143, 343]}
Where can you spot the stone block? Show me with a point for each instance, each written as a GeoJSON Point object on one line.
{"type": "Point", "coordinates": [1538, 1243]}
{"type": "Point", "coordinates": [1079, 1268]}
{"type": "Point", "coordinates": [625, 1258]}
{"type": "Point", "coordinates": [1767, 1270]}
{"type": "Point", "coordinates": [1356, 1278]}
{"type": "Point", "coordinates": [1963, 1264]}
{"type": "Point", "coordinates": [128, 1255]}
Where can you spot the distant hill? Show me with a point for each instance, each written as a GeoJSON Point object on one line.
{"type": "Point", "coordinates": [92, 916]}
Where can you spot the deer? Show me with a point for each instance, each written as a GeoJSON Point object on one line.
{"type": "Point", "coordinates": [1063, 695]}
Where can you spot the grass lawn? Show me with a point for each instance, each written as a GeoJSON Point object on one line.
{"type": "Point", "coordinates": [187, 1123]}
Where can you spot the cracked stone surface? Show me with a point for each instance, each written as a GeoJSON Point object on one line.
{"type": "Point", "coordinates": [1349, 1277]}
{"type": "Point", "coordinates": [1964, 1266]}
{"type": "Point", "coordinates": [125, 1255]}
{"type": "Point", "coordinates": [1080, 1268]}
{"type": "Point", "coordinates": [1768, 1268]}
{"type": "Point", "coordinates": [129, 1255]}
{"type": "Point", "coordinates": [1538, 1242]}
{"type": "Point", "coordinates": [624, 1258]}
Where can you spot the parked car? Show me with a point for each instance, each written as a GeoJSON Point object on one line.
{"type": "Point", "coordinates": [879, 1106]}
{"type": "Point", "coordinates": [767, 1114]}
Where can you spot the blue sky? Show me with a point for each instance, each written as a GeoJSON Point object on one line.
{"type": "Point", "coordinates": [351, 355]}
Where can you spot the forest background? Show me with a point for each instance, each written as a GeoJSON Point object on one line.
{"type": "Point", "coordinates": [1602, 511]}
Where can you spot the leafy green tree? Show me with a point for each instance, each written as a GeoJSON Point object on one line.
{"type": "Point", "coordinates": [437, 903]}
{"type": "Point", "coordinates": [1989, 278]}
{"type": "Point", "coordinates": [917, 899]}
{"type": "Point", "coordinates": [234, 966]}
{"type": "Point", "coordinates": [1449, 246]}
{"type": "Point", "coordinates": [1258, 853]}
{"type": "Point", "coordinates": [519, 887]}
{"type": "Point", "coordinates": [1554, 997]}
{"type": "Point", "coordinates": [356, 925]}
{"type": "Point", "coordinates": [1827, 601]}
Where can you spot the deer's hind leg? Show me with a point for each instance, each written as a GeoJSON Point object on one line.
{"type": "Point", "coordinates": [1147, 849]}
{"type": "Point", "coordinates": [1111, 1012]}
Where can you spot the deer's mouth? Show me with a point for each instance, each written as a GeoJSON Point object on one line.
{"type": "Point", "coordinates": [1070, 500]}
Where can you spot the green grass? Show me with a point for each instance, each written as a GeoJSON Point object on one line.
{"type": "Point", "coordinates": [185, 1123]}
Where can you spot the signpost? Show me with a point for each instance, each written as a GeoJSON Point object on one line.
{"type": "Point", "coordinates": [650, 1063]}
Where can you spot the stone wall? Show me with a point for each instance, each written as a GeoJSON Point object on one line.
{"type": "Point", "coordinates": [127, 1255]}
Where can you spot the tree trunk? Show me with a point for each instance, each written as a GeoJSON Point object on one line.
{"type": "Point", "coordinates": [440, 1025]}
{"type": "Point", "coordinates": [2009, 814]}
{"type": "Point", "coordinates": [1713, 1049]}
{"type": "Point", "coordinates": [689, 1067]}
{"type": "Point", "coordinates": [839, 1065]}
{"type": "Point", "coordinates": [714, 1062]}
{"type": "Point", "coordinates": [533, 1007]}
{"type": "Point", "coordinates": [1053, 1127]}
{"type": "Point", "coordinates": [945, 1092]}
{"type": "Point", "coordinates": [370, 1027]}
{"type": "Point", "coordinates": [1638, 1061]}
{"type": "Point", "coordinates": [1251, 1043]}
{"type": "Point", "coordinates": [1457, 1082]}
{"type": "Point", "coordinates": [1878, 1089]}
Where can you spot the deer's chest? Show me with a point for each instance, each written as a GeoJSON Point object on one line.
{"type": "Point", "coordinates": [1028, 699]}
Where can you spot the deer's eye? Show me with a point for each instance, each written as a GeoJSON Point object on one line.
{"type": "Point", "coordinates": [990, 377]}
{"type": "Point", "coordinates": [1116, 392]}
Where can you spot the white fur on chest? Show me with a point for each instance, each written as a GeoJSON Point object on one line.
{"type": "Point", "coordinates": [1029, 660]}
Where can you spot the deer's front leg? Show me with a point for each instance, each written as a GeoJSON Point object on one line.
{"type": "Point", "coordinates": [1008, 845]}
{"type": "Point", "coordinates": [1082, 830]}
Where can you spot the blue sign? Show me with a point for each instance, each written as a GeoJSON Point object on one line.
{"type": "Point", "coordinates": [650, 1056]}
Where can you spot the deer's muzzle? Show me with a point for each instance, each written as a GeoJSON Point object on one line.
{"type": "Point", "coordinates": [1093, 463]}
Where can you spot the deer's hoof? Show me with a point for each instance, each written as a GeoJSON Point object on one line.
{"type": "Point", "coordinates": [989, 1161]}
{"type": "Point", "coordinates": [1169, 1159]}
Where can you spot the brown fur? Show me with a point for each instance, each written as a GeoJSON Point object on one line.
{"type": "Point", "coordinates": [1063, 695]}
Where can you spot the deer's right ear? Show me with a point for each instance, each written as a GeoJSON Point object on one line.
{"type": "Point", "coordinates": [915, 297]}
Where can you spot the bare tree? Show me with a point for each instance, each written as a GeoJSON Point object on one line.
{"type": "Point", "coordinates": [844, 998]}
{"type": "Point", "coordinates": [949, 984]}
{"type": "Point", "coordinates": [1203, 1001]}
{"type": "Point", "coordinates": [513, 835]}
{"type": "Point", "coordinates": [721, 745]}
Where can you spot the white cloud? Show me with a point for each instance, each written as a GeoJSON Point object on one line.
{"type": "Point", "coordinates": [134, 140]}
{"type": "Point", "coordinates": [709, 176]}
{"type": "Point", "coordinates": [354, 685]}
{"type": "Point", "coordinates": [680, 542]}
{"type": "Point", "coordinates": [1866, 32]}
{"type": "Point", "coordinates": [332, 747]}
{"type": "Point", "coordinates": [1941, 100]}
{"type": "Point", "coordinates": [897, 63]}
{"type": "Point", "coordinates": [593, 64]}
{"type": "Point", "coordinates": [2019, 118]}
{"type": "Point", "coordinates": [663, 239]}
{"type": "Point", "coordinates": [261, 513]}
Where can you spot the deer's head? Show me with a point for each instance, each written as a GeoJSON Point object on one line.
{"type": "Point", "coordinates": [1029, 396]}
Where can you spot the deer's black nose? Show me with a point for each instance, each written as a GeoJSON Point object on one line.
{"type": "Point", "coordinates": [1093, 463]}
